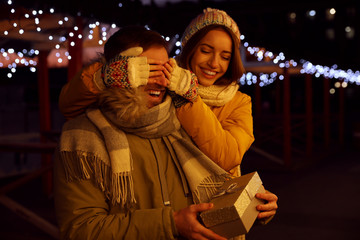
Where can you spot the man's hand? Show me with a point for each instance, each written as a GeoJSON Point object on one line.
{"type": "Point", "coordinates": [269, 208]}
{"type": "Point", "coordinates": [188, 226]}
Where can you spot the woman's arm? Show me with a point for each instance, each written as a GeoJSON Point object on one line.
{"type": "Point", "coordinates": [223, 134]}
{"type": "Point", "coordinates": [80, 92]}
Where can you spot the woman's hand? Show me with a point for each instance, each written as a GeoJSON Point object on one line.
{"type": "Point", "coordinates": [183, 83]}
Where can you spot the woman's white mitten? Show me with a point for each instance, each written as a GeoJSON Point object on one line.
{"type": "Point", "coordinates": [126, 70]}
{"type": "Point", "coordinates": [183, 82]}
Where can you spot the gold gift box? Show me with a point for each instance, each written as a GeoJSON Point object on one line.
{"type": "Point", "coordinates": [234, 210]}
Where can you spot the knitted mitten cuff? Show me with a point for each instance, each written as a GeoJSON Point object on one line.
{"type": "Point", "coordinates": [192, 92]}
{"type": "Point", "coordinates": [177, 99]}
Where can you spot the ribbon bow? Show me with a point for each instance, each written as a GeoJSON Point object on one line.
{"type": "Point", "coordinates": [230, 189]}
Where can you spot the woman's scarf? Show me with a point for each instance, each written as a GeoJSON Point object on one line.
{"type": "Point", "coordinates": [100, 147]}
{"type": "Point", "coordinates": [218, 95]}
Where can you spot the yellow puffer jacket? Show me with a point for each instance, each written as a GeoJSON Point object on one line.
{"type": "Point", "coordinates": [80, 92]}
{"type": "Point", "coordinates": [223, 133]}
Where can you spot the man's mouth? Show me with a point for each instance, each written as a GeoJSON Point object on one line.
{"type": "Point", "coordinates": [154, 93]}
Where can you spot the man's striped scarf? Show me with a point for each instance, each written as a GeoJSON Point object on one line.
{"type": "Point", "coordinates": [96, 145]}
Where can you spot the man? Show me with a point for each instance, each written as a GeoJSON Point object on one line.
{"type": "Point", "coordinates": [125, 171]}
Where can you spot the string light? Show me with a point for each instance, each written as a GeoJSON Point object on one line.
{"type": "Point", "coordinates": [22, 58]}
{"type": "Point", "coordinates": [264, 79]}
{"type": "Point", "coordinates": [332, 72]}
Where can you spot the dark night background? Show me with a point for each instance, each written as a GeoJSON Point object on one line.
{"type": "Point", "coordinates": [318, 194]}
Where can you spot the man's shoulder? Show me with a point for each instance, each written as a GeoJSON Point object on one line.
{"type": "Point", "coordinates": [80, 134]}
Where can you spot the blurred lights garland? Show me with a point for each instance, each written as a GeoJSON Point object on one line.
{"type": "Point", "coordinates": [332, 72]}
{"type": "Point", "coordinates": [21, 58]}
{"type": "Point", "coordinates": [249, 78]}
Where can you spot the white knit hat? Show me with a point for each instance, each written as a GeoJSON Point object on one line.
{"type": "Point", "coordinates": [210, 16]}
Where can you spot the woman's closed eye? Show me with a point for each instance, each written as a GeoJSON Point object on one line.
{"type": "Point", "coordinates": [205, 51]}
{"type": "Point", "coordinates": [226, 58]}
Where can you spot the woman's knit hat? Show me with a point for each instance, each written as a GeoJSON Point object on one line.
{"type": "Point", "coordinates": [210, 16]}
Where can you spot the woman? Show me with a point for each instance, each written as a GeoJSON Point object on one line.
{"type": "Point", "coordinates": [220, 120]}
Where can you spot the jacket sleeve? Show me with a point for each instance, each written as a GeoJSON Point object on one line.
{"type": "Point", "coordinates": [80, 92]}
{"type": "Point", "coordinates": [224, 140]}
{"type": "Point", "coordinates": [83, 213]}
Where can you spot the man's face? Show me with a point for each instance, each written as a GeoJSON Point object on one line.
{"type": "Point", "coordinates": [154, 92]}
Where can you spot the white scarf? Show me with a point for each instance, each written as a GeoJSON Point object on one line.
{"type": "Point", "coordinates": [217, 95]}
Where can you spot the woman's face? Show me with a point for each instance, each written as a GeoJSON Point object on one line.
{"type": "Point", "coordinates": [212, 57]}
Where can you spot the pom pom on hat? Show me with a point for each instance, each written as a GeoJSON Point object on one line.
{"type": "Point", "coordinates": [210, 16]}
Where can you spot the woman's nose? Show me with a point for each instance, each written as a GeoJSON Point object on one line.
{"type": "Point", "coordinates": [213, 61]}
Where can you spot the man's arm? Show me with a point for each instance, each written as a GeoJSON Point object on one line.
{"type": "Point", "coordinates": [83, 212]}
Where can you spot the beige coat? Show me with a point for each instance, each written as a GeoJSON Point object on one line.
{"type": "Point", "coordinates": [83, 211]}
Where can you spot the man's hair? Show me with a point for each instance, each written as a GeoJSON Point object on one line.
{"type": "Point", "coordinates": [132, 36]}
{"type": "Point", "coordinates": [235, 70]}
